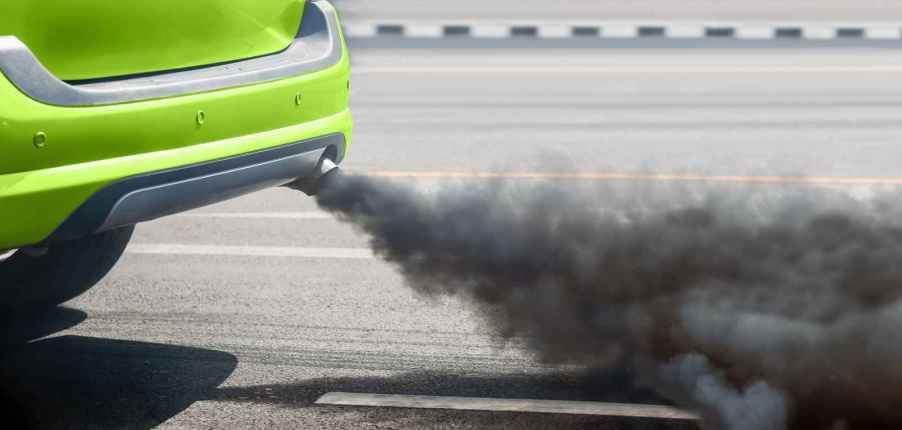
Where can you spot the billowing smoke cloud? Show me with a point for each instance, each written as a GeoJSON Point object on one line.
{"type": "Point", "coordinates": [759, 308]}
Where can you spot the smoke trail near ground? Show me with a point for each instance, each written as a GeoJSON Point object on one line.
{"type": "Point", "coordinates": [759, 309]}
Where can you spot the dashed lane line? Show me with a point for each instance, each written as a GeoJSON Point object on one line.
{"type": "Point", "coordinates": [311, 215]}
{"type": "Point", "coordinates": [506, 405]}
{"type": "Point", "coordinates": [623, 29]}
{"type": "Point", "coordinates": [249, 251]}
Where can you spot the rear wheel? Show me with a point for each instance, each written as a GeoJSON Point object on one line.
{"type": "Point", "coordinates": [35, 281]}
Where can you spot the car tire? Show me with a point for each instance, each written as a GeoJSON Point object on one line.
{"type": "Point", "coordinates": [31, 281]}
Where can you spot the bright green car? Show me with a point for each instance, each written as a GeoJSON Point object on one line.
{"type": "Point", "coordinates": [118, 112]}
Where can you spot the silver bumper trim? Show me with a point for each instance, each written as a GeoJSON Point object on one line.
{"type": "Point", "coordinates": [156, 194]}
{"type": "Point", "coordinates": [317, 46]}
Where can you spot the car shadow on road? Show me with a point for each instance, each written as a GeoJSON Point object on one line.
{"type": "Point", "coordinates": [18, 331]}
{"type": "Point", "coordinates": [86, 382]}
{"type": "Point", "coordinates": [586, 385]}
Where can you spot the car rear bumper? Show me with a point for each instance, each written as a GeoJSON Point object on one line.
{"type": "Point", "coordinates": [317, 46]}
{"type": "Point", "coordinates": [157, 194]}
{"type": "Point", "coordinates": [55, 158]}
{"type": "Point", "coordinates": [68, 201]}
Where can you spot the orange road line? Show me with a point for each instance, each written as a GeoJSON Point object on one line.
{"type": "Point", "coordinates": [651, 177]}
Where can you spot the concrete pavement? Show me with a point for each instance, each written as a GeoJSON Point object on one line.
{"type": "Point", "coordinates": [244, 339]}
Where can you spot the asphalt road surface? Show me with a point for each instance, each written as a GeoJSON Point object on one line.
{"type": "Point", "coordinates": [715, 10]}
{"type": "Point", "coordinates": [242, 314]}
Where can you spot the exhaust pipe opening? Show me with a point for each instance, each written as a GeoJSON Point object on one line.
{"type": "Point", "coordinates": [312, 184]}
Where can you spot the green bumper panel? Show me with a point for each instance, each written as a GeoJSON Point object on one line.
{"type": "Point", "coordinates": [55, 158]}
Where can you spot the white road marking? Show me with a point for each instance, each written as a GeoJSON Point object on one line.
{"type": "Point", "coordinates": [621, 31]}
{"type": "Point", "coordinates": [883, 32]}
{"type": "Point", "coordinates": [659, 69]}
{"type": "Point", "coordinates": [249, 251]}
{"type": "Point", "coordinates": [820, 33]}
{"type": "Point", "coordinates": [364, 29]}
{"type": "Point", "coordinates": [490, 31]}
{"type": "Point", "coordinates": [755, 32]}
{"type": "Point", "coordinates": [555, 31]}
{"type": "Point", "coordinates": [686, 31]}
{"type": "Point", "coordinates": [506, 405]}
{"type": "Point", "coordinates": [425, 31]}
{"type": "Point", "coordinates": [258, 215]}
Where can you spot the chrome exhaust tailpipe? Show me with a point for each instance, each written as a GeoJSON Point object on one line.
{"type": "Point", "coordinates": [311, 185]}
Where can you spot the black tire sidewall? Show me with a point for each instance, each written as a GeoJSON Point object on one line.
{"type": "Point", "coordinates": [31, 283]}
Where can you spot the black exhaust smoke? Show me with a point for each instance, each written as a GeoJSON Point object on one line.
{"type": "Point", "coordinates": [759, 311]}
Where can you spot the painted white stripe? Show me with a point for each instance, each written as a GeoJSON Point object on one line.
{"type": "Point", "coordinates": [620, 31]}
{"type": "Point", "coordinates": [258, 215]}
{"type": "Point", "coordinates": [249, 251]}
{"type": "Point", "coordinates": [505, 405]}
{"type": "Point", "coordinates": [686, 31]}
{"type": "Point", "coordinates": [359, 29]}
{"type": "Point", "coordinates": [661, 69]}
{"type": "Point", "coordinates": [555, 31]}
{"type": "Point", "coordinates": [819, 33]}
{"type": "Point", "coordinates": [883, 33]}
{"type": "Point", "coordinates": [491, 31]}
{"type": "Point", "coordinates": [429, 31]}
{"type": "Point", "coordinates": [757, 32]}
